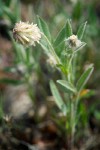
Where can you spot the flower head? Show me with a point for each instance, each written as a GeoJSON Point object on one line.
{"type": "Point", "coordinates": [26, 34]}
{"type": "Point", "coordinates": [73, 41]}
{"type": "Point", "coordinates": [51, 61]}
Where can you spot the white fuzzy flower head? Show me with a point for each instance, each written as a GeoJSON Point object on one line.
{"type": "Point", "coordinates": [51, 61]}
{"type": "Point", "coordinates": [73, 41]}
{"type": "Point", "coordinates": [26, 34]}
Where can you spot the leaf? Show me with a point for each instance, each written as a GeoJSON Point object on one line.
{"type": "Point", "coordinates": [68, 29]}
{"type": "Point", "coordinates": [59, 48]}
{"type": "Point", "coordinates": [43, 27]}
{"type": "Point", "coordinates": [9, 14]}
{"type": "Point", "coordinates": [84, 77]}
{"type": "Point", "coordinates": [80, 47]}
{"type": "Point", "coordinates": [81, 30]}
{"type": "Point", "coordinates": [65, 32]}
{"type": "Point", "coordinates": [57, 97]}
{"type": "Point", "coordinates": [17, 10]}
{"type": "Point", "coordinates": [13, 16]}
{"type": "Point", "coordinates": [45, 47]}
{"type": "Point", "coordinates": [60, 37]}
{"type": "Point", "coordinates": [68, 87]}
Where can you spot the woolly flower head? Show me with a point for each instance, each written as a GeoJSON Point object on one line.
{"type": "Point", "coordinates": [26, 34]}
{"type": "Point", "coordinates": [51, 61]}
{"type": "Point", "coordinates": [73, 41]}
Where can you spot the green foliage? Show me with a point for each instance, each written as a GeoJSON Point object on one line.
{"type": "Point", "coordinates": [12, 14]}
{"type": "Point", "coordinates": [66, 86]}
{"type": "Point", "coordinates": [68, 29]}
{"type": "Point", "coordinates": [84, 78]}
{"type": "Point", "coordinates": [43, 27]}
{"type": "Point", "coordinates": [58, 98]}
{"type": "Point", "coordinates": [69, 61]}
{"type": "Point", "coordinates": [81, 30]}
{"type": "Point", "coordinates": [65, 32]}
{"type": "Point", "coordinates": [67, 69]}
{"type": "Point", "coordinates": [60, 37]}
{"type": "Point", "coordinates": [80, 47]}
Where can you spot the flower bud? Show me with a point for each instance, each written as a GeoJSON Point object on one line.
{"type": "Point", "coordinates": [26, 34]}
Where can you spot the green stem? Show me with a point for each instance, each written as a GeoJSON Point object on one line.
{"type": "Point", "coordinates": [72, 125]}
{"type": "Point", "coordinates": [70, 73]}
{"type": "Point", "coordinates": [76, 102]}
{"type": "Point", "coordinates": [30, 89]}
{"type": "Point", "coordinates": [74, 67]}
{"type": "Point", "coordinates": [72, 103]}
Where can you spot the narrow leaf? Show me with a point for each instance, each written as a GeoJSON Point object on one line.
{"type": "Point", "coordinates": [43, 27]}
{"type": "Point", "coordinates": [60, 37]}
{"type": "Point", "coordinates": [81, 30]}
{"type": "Point", "coordinates": [80, 47]}
{"type": "Point", "coordinates": [68, 29]}
{"type": "Point", "coordinates": [57, 97]}
{"type": "Point", "coordinates": [45, 48]}
{"type": "Point", "coordinates": [17, 11]}
{"type": "Point", "coordinates": [68, 87]}
{"type": "Point", "coordinates": [64, 33]}
{"type": "Point", "coordinates": [84, 78]}
{"type": "Point", "coordinates": [9, 14]}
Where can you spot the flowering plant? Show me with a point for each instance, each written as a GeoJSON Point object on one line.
{"type": "Point", "coordinates": [66, 62]}
{"type": "Point", "coordinates": [69, 45]}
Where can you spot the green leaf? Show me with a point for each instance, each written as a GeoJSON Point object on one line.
{"type": "Point", "coordinates": [84, 78]}
{"type": "Point", "coordinates": [45, 47]}
{"type": "Point", "coordinates": [17, 10]}
{"type": "Point", "coordinates": [43, 27]}
{"type": "Point", "coordinates": [58, 98]}
{"type": "Point", "coordinates": [81, 30]}
{"type": "Point", "coordinates": [66, 86]}
{"type": "Point", "coordinates": [60, 37]}
{"type": "Point", "coordinates": [13, 16]}
{"type": "Point", "coordinates": [65, 32]}
{"type": "Point", "coordinates": [9, 14]}
{"type": "Point", "coordinates": [59, 49]}
{"type": "Point", "coordinates": [68, 29]}
{"type": "Point", "coordinates": [80, 47]}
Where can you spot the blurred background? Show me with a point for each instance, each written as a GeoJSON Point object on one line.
{"type": "Point", "coordinates": [29, 118]}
